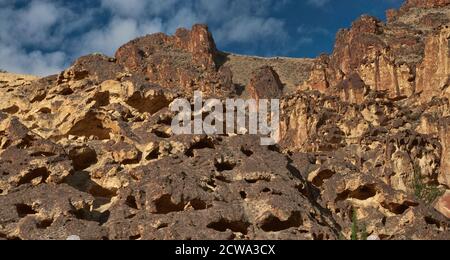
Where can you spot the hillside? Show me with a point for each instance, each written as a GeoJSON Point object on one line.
{"type": "Point", "coordinates": [364, 150]}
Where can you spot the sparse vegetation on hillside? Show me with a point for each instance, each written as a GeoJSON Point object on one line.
{"type": "Point", "coordinates": [426, 192]}
{"type": "Point", "coordinates": [360, 132]}
{"type": "Point", "coordinates": [292, 71]}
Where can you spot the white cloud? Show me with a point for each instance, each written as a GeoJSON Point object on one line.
{"type": "Point", "coordinates": [116, 33]}
{"type": "Point", "coordinates": [135, 8]}
{"type": "Point", "coordinates": [30, 25]}
{"type": "Point", "coordinates": [246, 29]}
{"type": "Point", "coordinates": [17, 60]}
{"type": "Point", "coordinates": [44, 36]}
{"type": "Point", "coordinates": [184, 17]}
{"type": "Point", "coordinates": [126, 8]}
{"type": "Point", "coordinates": [308, 29]}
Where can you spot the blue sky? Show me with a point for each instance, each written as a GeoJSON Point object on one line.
{"type": "Point", "coordinates": [44, 36]}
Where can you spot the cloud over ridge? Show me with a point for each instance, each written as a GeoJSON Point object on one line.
{"type": "Point", "coordinates": [42, 36]}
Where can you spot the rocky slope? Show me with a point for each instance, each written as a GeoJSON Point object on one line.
{"type": "Point", "coordinates": [365, 138]}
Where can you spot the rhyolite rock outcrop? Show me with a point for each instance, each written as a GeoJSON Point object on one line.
{"type": "Point", "coordinates": [265, 84]}
{"type": "Point", "coordinates": [187, 60]}
{"type": "Point", "coordinates": [364, 134]}
{"type": "Point", "coordinates": [407, 56]}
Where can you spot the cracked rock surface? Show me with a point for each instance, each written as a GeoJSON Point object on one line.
{"type": "Point", "coordinates": [365, 138]}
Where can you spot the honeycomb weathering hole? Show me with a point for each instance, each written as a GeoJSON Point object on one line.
{"type": "Point", "coordinates": [45, 110]}
{"type": "Point", "coordinates": [161, 134]}
{"type": "Point", "coordinates": [235, 226]}
{"type": "Point", "coordinates": [153, 155]}
{"type": "Point", "coordinates": [136, 237]}
{"type": "Point", "coordinates": [164, 205]}
{"type": "Point", "coordinates": [431, 221]}
{"type": "Point", "coordinates": [90, 126]}
{"type": "Point", "coordinates": [224, 165]}
{"type": "Point", "coordinates": [204, 143]}
{"type": "Point", "coordinates": [131, 202]}
{"type": "Point", "coordinates": [322, 176]}
{"type": "Point", "coordinates": [83, 158]}
{"type": "Point", "coordinates": [43, 224]}
{"type": "Point", "coordinates": [24, 210]}
{"type": "Point", "coordinates": [11, 110]}
{"type": "Point", "coordinates": [362, 193]}
{"type": "Point", "coordinates": [32, 175]}
{"type": "Point", "coordinates": [246, 151]}
{"type": "Point", "coordinates": [397, 208]}
{"type": "Point", "coordinates": [274, 224]}
{"type": "Point", "coordinates": [198, 204]}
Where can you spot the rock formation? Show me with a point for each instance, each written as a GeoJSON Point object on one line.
{"type": "Point", "coordinates": [265, 84]}
{"type": "Point", "coordinates": [186, 60]}
{"type": "Point", "coordinates": [90, 152]}
{"type": "Point", "coordinates": [407, 56]}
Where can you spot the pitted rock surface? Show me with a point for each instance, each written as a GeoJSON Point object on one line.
{"type": "Point", "coordinates": [90, 152]}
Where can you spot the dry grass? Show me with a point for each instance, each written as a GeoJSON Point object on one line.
{"type": "Point", "coordinates": [414, 15]}
{"type": "Point", "coordinates": [292, 71]}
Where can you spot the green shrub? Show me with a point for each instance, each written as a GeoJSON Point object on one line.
{"type": "Point", "coordinates": [427, 193]}
{"type": "Point", "coordinates": [359, 232]}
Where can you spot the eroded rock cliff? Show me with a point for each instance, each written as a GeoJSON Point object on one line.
{"type": "Point", "coordinates": [365, 134]}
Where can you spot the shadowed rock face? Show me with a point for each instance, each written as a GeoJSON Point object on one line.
{"type": "Point", "coordinates": [265, 84]}
{"type": "Point", "coordinates": [90, 152]}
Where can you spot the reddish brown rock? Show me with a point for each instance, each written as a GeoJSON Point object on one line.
{"type": "Point", "coordinates": [186, 60]}
{"type": "Point", "coordinates": [200, 43]}
{"type": "Point", "coordinates": [259, 197]}
{"type": "Point", "coordinates": [404, 58]}
{"type": "Point", "coordinates": [91, 152]}
{"type": "Point", "coordinates": [265, 84]}
{"type": "Point", "coordinates": [391, 15]}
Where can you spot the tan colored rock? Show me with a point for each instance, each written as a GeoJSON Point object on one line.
{"type": "Point", "coordinates": [14, 80]}
{"type": "Point", "coordinates": [124, 153]}
{"type": "Point", "coordinates": [27, 159]}
{"type": "Point", "coordinates": [90, 152]}
{"type": "Point", "coordinates": [425, 3]}
{"type": "Point", "coordinates": [444, 134]}
{"type": "Point", "coordinates": [411, 5]}
{"type": "Point", "coordinates": [433, 73]}
{"type": "Point", "coordinates": [443, 204]}
{"type": "Point", "coordinates": [352, 89]}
